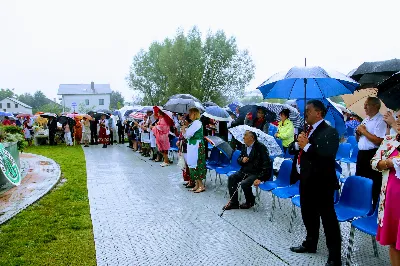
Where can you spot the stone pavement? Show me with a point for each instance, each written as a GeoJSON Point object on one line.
{"type": "Point", "coordinates": [142, 215]}
{"type": "Point", "coordinates": [40, 174]}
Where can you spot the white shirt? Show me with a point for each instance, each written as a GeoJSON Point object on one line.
{"type": "Point", "coordinates": [376, 126]}
{"type": "Point", "coordinates": [249, 148]}
{"type": "Point", "coordinates": [308, 144]}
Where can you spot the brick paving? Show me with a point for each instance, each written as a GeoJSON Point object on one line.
{"type": "Point", "coordinates": [142, 215]}
{"type": "Point", "coordinates": [40, 174]}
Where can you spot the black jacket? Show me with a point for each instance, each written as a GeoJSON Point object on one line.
{"type": "Point", "coordinates": [317, 165]}
{"type": "Point", "coordinates": [52, 125]}
{"type": "Point", "coordinates": [259, 163]}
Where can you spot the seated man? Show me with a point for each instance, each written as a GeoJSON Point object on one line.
{"type": "Point", "coordinates": [255, 164]}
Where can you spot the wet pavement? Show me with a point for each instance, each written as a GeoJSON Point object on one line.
{"type": "Point", "coordinates": [142, 215]}
{"type": "Point", "coordinates": [40, 174]}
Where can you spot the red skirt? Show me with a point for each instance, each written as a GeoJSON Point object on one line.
{"type": "Point", "coordinates": [103, 137]}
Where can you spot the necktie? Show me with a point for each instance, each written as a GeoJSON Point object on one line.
{"type": "Point", "coordinates": [301, 151]}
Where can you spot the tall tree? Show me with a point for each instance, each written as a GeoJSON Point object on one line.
{"type": "Point", "coordinates": [51, 108]}
{"type": "Point", "coordinates": [26, 98]}
{"type": "Point", "coordinates": [4, 93]}
{"type": "Point", "coordinates": [116, 100]}
{"type": "Point", "coordinates": [213, 69]}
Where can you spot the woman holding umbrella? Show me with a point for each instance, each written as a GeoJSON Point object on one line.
{"type": "Point", "coordinates": [285, 129]}
{"type": "Point", "coordinates": [161, 132]}
{"type": "Point", "coordinates": [103, 137]}
{"type": "Point", "coordinates": [195, 150]}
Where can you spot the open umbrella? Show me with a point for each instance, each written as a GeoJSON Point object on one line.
{"type": "Point", "coordinates": [269, 141]}
{"type": "Point", "coordinates": [221, 145]}
{"type": "Point", "coordinates": [307, 83]}
{"type": "Point", "coordinates": [23, 115]}
{"type": "Point", "coordinates": [167, 114]}
{"type": "Point", "coordinates": [48, 115]}
{"type": "Point", "coordinates": [104, 111]}
{"type": "Point", "coordinates": [182, 106]}
{"type": "Point", "coordinates": [270, 116]}
{"type": "Point", "coordinates": [184, 96]}
{"type": "Point", "coordinates": [294, 115]}
{"type": "Point", "coordinates": [234, 105]}
{"type": "Point", "coordinates": [137, 115]}
{"type": "Point", "coordinates": [206, 104]}
{"type": "Point", "coordinates": [370, 74]}
{"type": "Point", "coordinates": [144, 109]}
{"type": "Point", "coordinates": [217, 113]}
{"type": "Point", "coordinates": [389, 91]}
{"type": "Point", "coordinates": [355, 102]}
{"type": "Point", "coordinates": [97, 115]}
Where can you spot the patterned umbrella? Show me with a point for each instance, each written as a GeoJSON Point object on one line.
{"type": "Point", "coordinates": [137, 115]}
{"type": "Point", "coordinates": [184, 96]}
{"type": "Point", "coordinates": [294, 115]}
{"type": "Point", "coordinates": [267, 140]}
{"type": "Point", "coordinates": [182, 106]}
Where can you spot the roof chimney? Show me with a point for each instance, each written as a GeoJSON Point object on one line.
{"type": "Point", "coordinates": [92, 87]}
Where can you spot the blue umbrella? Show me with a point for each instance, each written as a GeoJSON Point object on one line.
{"type": "Point", "coordinates": [334, 115]}
{"type": "Point", "coordinates": [234, 105]}
{"type": "Point", "coordinates": [217, 113]}
{"type": "Point", "coordinates": [307, 83]}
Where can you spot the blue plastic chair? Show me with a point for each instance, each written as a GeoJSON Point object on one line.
{"type": "Point", "coordinates": [214, 160]}
{"type": "Point", "coordinates": [173, 148]}
{"type": "Point", "coordinates": [352, 141]}
{"type": "Point", "coordinates": [350, 131]}
{"type": "Point", "coordinates": [279, 141]}
{"type": "Point", "coordinates": [352, 159]}
{"type": "Point", "coordinates": [283, 193]}
{"type": "Point", "coordinates": [286, 155]}
{"type": "Point", "coordinates": [282, 180]}
{"type": "Point", "coordinates": [343, 151]}
{"type": "Point", "coordinates": [367, 225]}
{"type": "Point", "coordinates": [233, 166]}
{"type": "Point", "coordinates": [355, 200]}
{"type": "Point", "coordinates": [272, 130]}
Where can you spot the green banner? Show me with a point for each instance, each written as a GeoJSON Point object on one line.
{"type": "Point", "coordinates": [9, 167]}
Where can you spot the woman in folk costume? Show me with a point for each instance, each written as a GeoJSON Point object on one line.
{"type": "Point", "coordinates": [78, 130]}
{"type": "Point", "coordinates": [387, 161]}
{"type": "Point", "coordinates": [182, 144]}
{"type": "Point", "coordinates": [195, 150]}
{"type": "Point", "coordinates": [161, 132]}
{"type": "Point", "coordinates": [103, 136]}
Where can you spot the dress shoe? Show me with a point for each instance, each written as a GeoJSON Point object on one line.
{"type": "Point", "coordinates": [230, 206]}
{"type": "Point", "coordinates": [333, 263]}
{"type": "Point", "coordinates": [246, 205]}
{"type": "Point", "coordinates": [302, 249]}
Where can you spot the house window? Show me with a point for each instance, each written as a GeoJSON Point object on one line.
{"type": "Point", "coordinates": [101, 101]}
{"type": "Point", "coordinates": [87, 101]}
{"type": "Point", "coordinates": [1, 105]}
{"type": "Point", "coordinates": [8, 105]}
{"type": "Point", "coordinates": [16, 105]}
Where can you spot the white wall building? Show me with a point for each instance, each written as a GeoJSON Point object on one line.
{"type": "Point", "coordinates": [12, 105]}
{"type": "Point", "coordinates": [91, 95]}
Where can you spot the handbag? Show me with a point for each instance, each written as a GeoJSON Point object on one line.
{"type": "Point", "coordinates": [107, 131]}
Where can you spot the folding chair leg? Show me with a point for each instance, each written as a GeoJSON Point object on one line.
{"type": "Point", "coordinates": [273, 208]}
{"type": "Point", "coordinates": [349, 170]}
{"type": "Point", "coordinates": [292, 218]}
{"type": "Point", "coordinates": [257, 200]}
{"type": "Point", "coordinates": [279, 202]}
{"type": "Point", "coordinates": [376, 254]}
{"type": "Point", "coordinates": [350, 246]}
{"type": "Point", "coordinates": [220, 179]}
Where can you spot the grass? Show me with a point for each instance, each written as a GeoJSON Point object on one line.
{"type": "Point", "coordinates": [56, 230]}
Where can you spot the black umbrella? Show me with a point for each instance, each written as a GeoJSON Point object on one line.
{"type": "Point", "coordinates": [370, 74]}
{"type": "Point", "coordinates": [207, 104]}
{"type": "Point", "coordinates": [252, 108]}
{"type": "Point", "coordinates": [97, 115]}
{"type": "Point", "coordinates": [221, 145]}
{"type": "Point", "coordinates": [48, 115]}
{"type": "Point", "coordinates": [389, 91]}
{"type": "Point", "coordinates": [182, 106]}
{"type": "Point", "coordinates": [104, 111]}
{"type": "Point", "coordinates": [62, 119]}
{"type": "Point", "coordinates": [184, 96]}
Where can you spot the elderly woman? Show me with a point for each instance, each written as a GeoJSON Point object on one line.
{"type": "Point", "coordinates": [387, 161]}
{"type": "Point", "coordinates": [103, 136]}
{"type": "Point", "coordinates": [161, 132]}
{"type": "Point", "coordinates": [285, 129]}
{"type": "Point", "coordinates": [195, 150]}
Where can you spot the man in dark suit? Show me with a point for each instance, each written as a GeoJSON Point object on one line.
{"type": "Point", "coordinates": [255, 165]}
{"type": "Point", "coordinates": [314, 166]}
{"type": "Point", "coordinates": [52, 126]}
{"type": "Point", "coordinates": [93, 132]}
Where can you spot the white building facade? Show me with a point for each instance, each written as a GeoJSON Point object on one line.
{"type": "Point", "coordinates": [96, 96]}
{"type": "Point", "coordinates": [12, 105]}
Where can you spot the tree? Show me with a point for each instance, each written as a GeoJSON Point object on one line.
{"type": "Point", "coordinates": [4, 93]}
{"type": "Point", "coordinates": [27, 98]}
{"type": "Point", "coordinates": [116, 100]}
{"type": "Point", "coordinates": [84, 109]}
{"type": "Point", "coordinates": [211, 70]}
{"type": "Point", "coordinates": [36, 101]}
{"type": "Point", "coordinates": [51, 108]}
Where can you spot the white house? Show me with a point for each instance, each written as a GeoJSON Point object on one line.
{"type": "Point", "coordinates": [12, 105]}
{"type": "Point", "coordinates": [91, 95]}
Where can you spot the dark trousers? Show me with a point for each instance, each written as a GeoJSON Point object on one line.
{"type": "Point", "coordinates": [121, 137]}
{"type": "Point", "coordinates": [247, 183]}
{"type": "Point", "coordinates": [111, 137]}
{"type": "Point", "coordinates": [93, 136]}
{"type": "Point", "coordinates": [318, 202]}
{"type": "Point", "coordinates": [51, 137]}
{"type": "Point", "coordinates": [364, 169]}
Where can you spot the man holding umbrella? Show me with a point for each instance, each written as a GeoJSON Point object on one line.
{"type": "Point", "coordinates": [52, 126]}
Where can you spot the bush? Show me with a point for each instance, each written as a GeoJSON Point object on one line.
{"type": "Point", "coordinates": [13, 134]}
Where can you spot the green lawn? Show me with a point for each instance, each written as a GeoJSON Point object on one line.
{"type": "Point", "coordinates": [56, 230]}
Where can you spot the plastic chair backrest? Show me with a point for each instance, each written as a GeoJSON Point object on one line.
{"type": "Point", "coordinates": [214, 156]}
{"type": "Point", "coordinates": [357, 193]}
{"type": "Point", "coordinates": [235, 156]}
{"type": "Point", "coordinates": [279, 141]}
{"type": "Point", "coordinates": [354, 153]}
{"type": "Point", "coordinates": [352, 140]}
{"type": "Point", "coordinates": [350, 131]}
{"type": "Point", "coordinates": [174, 141]}
{"type": "Point", "coordinates": [338, 168]}
{"type": "Point", "coordinates": [343, 151]}
{"type": "Point", "coordinates": [272, 130]}
{"type": "Point", "coordinates": [223, 159]}
{"type": "Point", "coordinates": [284, 172]}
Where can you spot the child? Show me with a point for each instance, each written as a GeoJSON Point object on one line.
{"type": "Point", "coordinates": [27, 134]}
{"type": "Point", "coordinates": [67, 134]}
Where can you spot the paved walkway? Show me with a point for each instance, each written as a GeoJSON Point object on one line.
{"type": "Point", "coordinates": [40, 174]}
{"type": "Point", "coordinates": [142, 215]}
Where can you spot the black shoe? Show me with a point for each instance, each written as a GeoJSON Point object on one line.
{"type": "Point", "coordinates": [230, 206]}
{"type": "Point", "coordinates": [246, 205]}
{"type": "Point", "coordinates": [333, 263]}
{"type": "Point", "coordinates": [302, 249]}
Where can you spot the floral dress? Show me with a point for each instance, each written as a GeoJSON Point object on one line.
{"type": "Point", "coordinates": [388, 211]}
{"type": "Point", "coordinates": [103, 137]}
{"type": "Point", "coordinates": [161, 131]}
{"type": "Point", "coordinates": [196, 158]}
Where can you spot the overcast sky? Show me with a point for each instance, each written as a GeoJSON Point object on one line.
{"type": "Point", "coordinates": [47, 42]}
